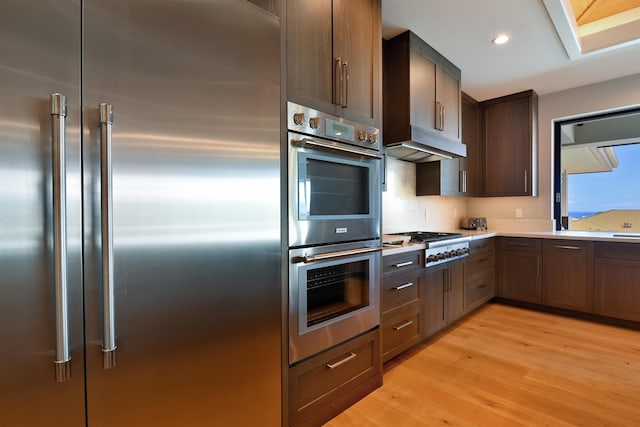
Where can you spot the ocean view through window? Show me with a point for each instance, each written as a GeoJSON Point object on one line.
{"type": "Point", "coordinates": [607, 201]}
{"type": "Point", "coordinates": [597, 180]}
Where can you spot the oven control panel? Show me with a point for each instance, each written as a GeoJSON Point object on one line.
{"type": "Point", "coordinates": [316, 123]}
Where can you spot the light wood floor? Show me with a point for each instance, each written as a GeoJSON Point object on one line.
{"type": "Point", "coordinates": [506, 366]}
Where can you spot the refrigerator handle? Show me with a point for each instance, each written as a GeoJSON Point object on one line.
{"type": "Point", "coordinates": [58, 140]}
{"type": "Point", "coordinates": [106, 203]}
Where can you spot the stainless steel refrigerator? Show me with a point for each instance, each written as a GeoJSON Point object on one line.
{"type": "Point", "coordinates": [140, 255]}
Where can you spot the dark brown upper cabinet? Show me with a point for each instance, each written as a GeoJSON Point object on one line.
{"type": "Point", "coordinates": [461, 176]}
{"type": "Point", "coordinates": [421, 97]}
{"type": "Point", "coordinates": [334, 57]}
{"type": "Point", "coordinates": [510, 145]}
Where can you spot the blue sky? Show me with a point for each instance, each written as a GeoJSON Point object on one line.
{"type": "Point", "coordinates": [620, 189]}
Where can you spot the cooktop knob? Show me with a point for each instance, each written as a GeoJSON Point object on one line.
{"type": "Point", "coordinates": [314, 122]}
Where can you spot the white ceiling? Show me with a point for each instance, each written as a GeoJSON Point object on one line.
{"type": "Point", "coordinates": [535, 58]}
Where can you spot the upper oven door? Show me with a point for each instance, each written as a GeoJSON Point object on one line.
{"type": "Point", "coordinates": [334, 192]}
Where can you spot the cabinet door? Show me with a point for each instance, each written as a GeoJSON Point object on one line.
{"type": "Point", "coordinates": [442, 178]}
{"type": "Point", "coordinates": [567, 280]}
{"type": "Point", "coordinates": [448, 94]}
{"type": "Point", "coordinates": [509, 136]}
{"type": "Point", "coordinates": [617, 288]}
{"type": "Point", "coordinates": [472, 165]}
{"type": "Point", "coordinates": [519, 269]}
{"type": "Point", "coordinates": [455, 293]}
{"type": "Point", "coordinates": [422, 74]}
{"type": "Point", "coordinates": [309, 53]}
{"type": "Point", "coordinates": [519, 276]}
{"type": "Point", "coordinates": [434, 313]}
{"type": "Point", "coordinates": [357, 40]}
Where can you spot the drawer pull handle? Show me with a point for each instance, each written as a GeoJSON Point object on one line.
{"type": "Point", "coordinates": [404, 325]}
{"type": "Point", "coordinates": [351, 356]}
{"type": "Point", "coordinates": [518, 244]}
{"type": "Point", "coordinates": [573, 248]}
{"type": "Point", "coordinates": [403, 264]}
{"type": "Point", "coordinates": [484, 285]}
{"type": "Point", "coordinates": [406, 285]}
{"type": "Point", "coordinates": [483, 260]}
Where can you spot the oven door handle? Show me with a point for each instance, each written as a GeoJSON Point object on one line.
{"type": "Point", "coordinates": [332, 146]}
{"type": "Point", "coordinates": [321, 257]}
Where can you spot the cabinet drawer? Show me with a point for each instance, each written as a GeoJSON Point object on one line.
{"type": "Point", "coordinates": [520, 244]}
{"type": "Point", "coordinates": [627, 251]}
{"type": "Point", "coordinates": [479, 291]}
{"type": "Point", "coordinates": [318, 381]}
{"type": "Point", "coordinates": [477, 245]}
{"type": "Point", "coordinates": [479, 262]}
{"type": "Point", "coordinates": [402, 262]}
{"type": "Point", "coordinates": [400, 333]}
{"type": "Point", "coordinates": [401, 291]}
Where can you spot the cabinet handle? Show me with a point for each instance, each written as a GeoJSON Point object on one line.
{"type": "Point", "coordinates": [337, 85]}
{"type": "Point", "coordinates": [538, 265]}
{"type": "Point", "coordinates": [441, 117]}
{"type": "Point", "coordinates": [404, 325]}
{"type": "Point", "coordinates": [62, 360]}
{"type": "Point", "coordinates": [484, 285]}
{"type": "Point", "coordinates": [482, 260]}
{"type": "Point", "coordinates": [345, 82]}
{"type": "Point", "coordinates": [518, 244]}
{"type": "Point", "coordinates": [438, 118]}
{"type": "Point", "coordinates": [463, 181]}
{"type": "Point", "coordinates": [526, 184]}
{"type": "Point", "coordinates": [351, 356]}
{"type": "Point", "coordinates": [403, 264]}
{"type": "Point", "coordinates": [573, 248]}
{"type": "Point", "coordinates": [405, 286]}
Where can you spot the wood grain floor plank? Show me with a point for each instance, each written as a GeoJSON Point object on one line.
{"type": "Point", "coordinates": [508, 366]}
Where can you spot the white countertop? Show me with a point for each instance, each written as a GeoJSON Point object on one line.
{"type": "Point", "coordinates": [595, 236]}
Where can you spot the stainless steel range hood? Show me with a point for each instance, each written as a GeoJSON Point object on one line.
{"type": "Point", "coordinates": [426, 147]}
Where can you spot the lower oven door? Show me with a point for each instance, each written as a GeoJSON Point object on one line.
{"type": "Point", "coordinates": [333, 295]}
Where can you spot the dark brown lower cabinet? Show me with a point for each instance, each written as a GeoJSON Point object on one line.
{"type": "Point", "coordinates": [443, 301]}
{"type": "Point", "coordinates": [617, 280]}
{"type": "Point", "coordinates": [479, 274]}
{"type": "Point", "coordinates": [567, 278]}
{"type": "Point", "coordinates": [520, 269]}
{"type": "Point", "coordinates": [326, 384]}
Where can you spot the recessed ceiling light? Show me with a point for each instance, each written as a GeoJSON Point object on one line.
{"type": "Point", "coordinates": [501, 39]}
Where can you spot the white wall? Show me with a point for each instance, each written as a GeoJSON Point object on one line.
{"type": "Point", "coordinates": [403, 211]}
{"type": "Point", "coordinates": [598, 97]}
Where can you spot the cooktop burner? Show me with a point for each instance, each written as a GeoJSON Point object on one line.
{"type": "Point", "coordinates": [428, 236]}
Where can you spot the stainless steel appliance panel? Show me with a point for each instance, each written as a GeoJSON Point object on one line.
{"type": "Point", "coordinates": [195, 155]}
{"type": "Point", "coordinates": [39, 56]}
{"type": "Point", "coordinates": [307, 337]}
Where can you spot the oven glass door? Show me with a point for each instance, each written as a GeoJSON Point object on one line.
{"type": "Point", "coordinates": [333, 197]}
{"type": "Point", "coordinates": [330, 187]}
{"type": "Point", "coordinates": [333, 291]}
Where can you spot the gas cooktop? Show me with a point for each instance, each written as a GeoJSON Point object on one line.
{"type": "Point", "coordinates": [428, 236]}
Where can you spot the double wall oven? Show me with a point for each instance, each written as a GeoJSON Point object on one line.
{"type": "Point", "coordinates": [333, 230]}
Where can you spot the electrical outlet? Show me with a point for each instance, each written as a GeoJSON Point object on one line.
{"type": "Point", "coordinates": [518, 212]}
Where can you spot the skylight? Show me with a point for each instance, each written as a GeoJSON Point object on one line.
{"type": "Point", "coordinates": [588, 27]}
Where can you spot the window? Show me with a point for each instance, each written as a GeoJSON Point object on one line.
{"type": "Point", "coordinates": [597, 180]}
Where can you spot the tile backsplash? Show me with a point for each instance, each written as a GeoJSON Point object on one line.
{"type": "Point", "coordinates": [403, 211]}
